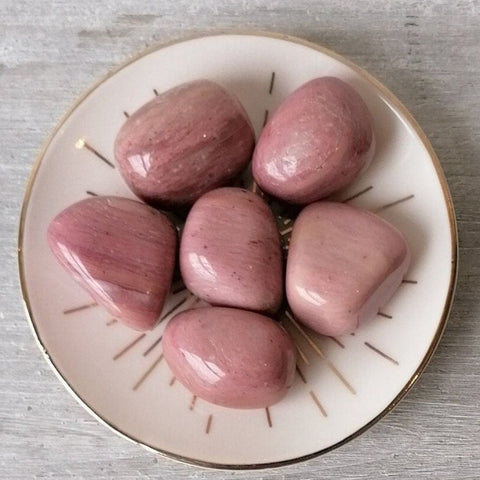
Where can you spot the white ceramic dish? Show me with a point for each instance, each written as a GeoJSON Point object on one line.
{"type": "Point", "coordinates": [119, 374]}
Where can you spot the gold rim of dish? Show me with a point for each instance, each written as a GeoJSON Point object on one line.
{"type": "Point", "coordinates": [388, 96]}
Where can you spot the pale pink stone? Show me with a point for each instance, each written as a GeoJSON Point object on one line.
{"type": "Point", "coordinates": [183, 143]}
{"type": "Point", "coordinates": [317, 142]}
{"type": "Point", "coordinates": [343, 265]}
{"type": "Point", "coordinates": [230, 357]}
{"type": "Point", "coordinates": [121, 251]}
{"type": "Point", "coordinates": [230, 251]}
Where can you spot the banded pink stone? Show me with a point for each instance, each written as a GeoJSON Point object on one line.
{"type": "Point", "coordinates": [317, 142]}
{"type": "Point", "coordinates": [230, 251]}
{"type": "Point", "coordinates": [344, 264]}
{"type": "Point", "coordinates": [121, 251]}
{"type": "Point", "coordinates": [183, 143]}
{"type": "Point", "coordinates": [230, 357]}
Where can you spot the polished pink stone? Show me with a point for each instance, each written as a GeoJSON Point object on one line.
{"type": "Point", "coordinates": [121, 251]}
{"type": "Point", "coordinates": [183, 143]}
{"type": "Point", "coordinates": [316, 142]}
{"type": "Point", "coordinates": [230, 251]}
{"type": "Point", "coordinates": [230, 357]}
{"type": "Point", "coordinates": [343, 265]}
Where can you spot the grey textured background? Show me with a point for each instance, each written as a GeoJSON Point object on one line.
{"type": "Point", "coordinates": [428, 53]}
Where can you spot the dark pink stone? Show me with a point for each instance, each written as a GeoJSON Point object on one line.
{"type": "Point", "coordinates": [316, 142]}
{"type": "Point", "coordinates": [230, 251]}
{"type": "Point", "coordinates": [230, 357]}
{"type": "Point", "coordinates": [183, 143]}
{"type": "Point", "coordinates": [121, 251]}
{"type": "Point", "coordinates": [343, 265]}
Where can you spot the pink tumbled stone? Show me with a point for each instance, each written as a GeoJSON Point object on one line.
{"type": "Point", "coordinates": [183, 143]}
{"type": "Point", "coordinates": [230, 251]}
{"type": "Point", "coordinates": [343, 265]}
{"type": "Point", "coordinates": [230, 357]}
{"type": "Point", "coordinates": [317, 142]}
{"type": "Point", "coordinates": [121, 251]}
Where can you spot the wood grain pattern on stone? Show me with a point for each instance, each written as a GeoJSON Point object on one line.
{"type": "Point", "coordinates": [344, 264]}
{"type": "Point", "coordinates": [230, 251]}
{"type": "Point", "coordinates": [121, 251]}
{"type": "Point", "coordinates": [230, 357]}
{"type": "Point", "coordinates": [317, 142]}
{"type": "Point", "coordinates": [183, 143]}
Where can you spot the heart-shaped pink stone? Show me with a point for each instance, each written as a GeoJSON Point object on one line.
{"type": "Point", "coordinates": [343, 265]}
{"type": "Point", "coordinates": [121, 251]}
{"type": "Point", "coordinates": [230, 251]}
{"type": "Point", "coordinates": [230, 357]}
